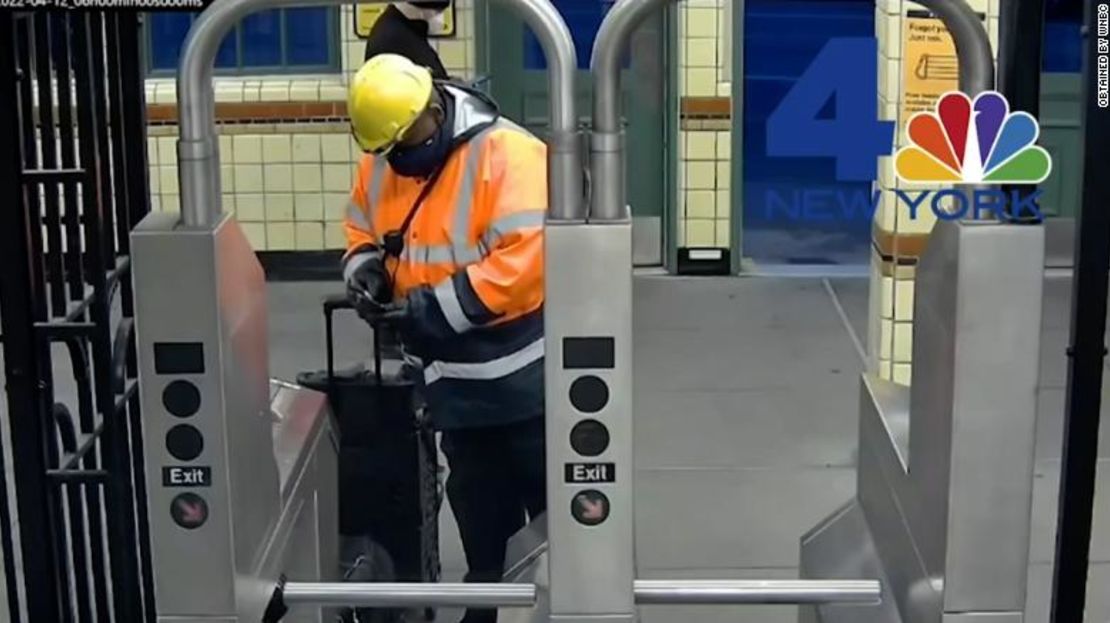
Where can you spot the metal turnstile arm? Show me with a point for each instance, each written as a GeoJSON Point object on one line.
{"type": "Point", "coordinates": [409, 595]}
{"type": "Point", "coordinates": [757, 592]}
{"type": "Point", "coordinates": [689, 592]}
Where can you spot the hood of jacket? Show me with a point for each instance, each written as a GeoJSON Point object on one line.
{"type": "Point", "coordinates": [470, 109]}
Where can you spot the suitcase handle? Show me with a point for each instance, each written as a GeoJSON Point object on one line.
{"type": "Point", "coordinates": [331, 304]}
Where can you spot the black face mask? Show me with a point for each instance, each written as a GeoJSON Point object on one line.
{"type": "Point", "coordinates": [422, 160]}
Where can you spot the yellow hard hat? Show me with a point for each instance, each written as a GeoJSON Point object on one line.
{"type": "Point", "coordinates": [387, 95]}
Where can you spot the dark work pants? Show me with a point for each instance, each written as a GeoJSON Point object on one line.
{"type": "Point", "coordinates": [497, 476]}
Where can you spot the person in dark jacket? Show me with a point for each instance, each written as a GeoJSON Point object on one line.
{"type": "Point", "coordinates": [403, 29]}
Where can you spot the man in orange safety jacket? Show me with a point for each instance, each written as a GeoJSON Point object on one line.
{"type": "Point", "coordinates": [445, 239]}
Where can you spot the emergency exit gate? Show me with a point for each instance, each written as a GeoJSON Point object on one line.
{"type": "Point", "coordinates": [944, 480]}
{"type": "Point", "coordinates": [241, 521]}
{"type": "Point", "coordinates": [72, 185]}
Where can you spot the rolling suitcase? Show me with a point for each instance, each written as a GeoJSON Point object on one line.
{"type": "Point", "coordinates": [389, 474]}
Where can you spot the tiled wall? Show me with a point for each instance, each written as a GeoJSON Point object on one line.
{"type": "Point", "coordinates": [898, 239]}
{"type": "Point", "coordinates": [284, 179]}
{"type": "Point", "coordinates": [288, 182]}
{"type": "Point", "coordinates": [705, 143]}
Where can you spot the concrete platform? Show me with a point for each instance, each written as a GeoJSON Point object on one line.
{"type": "Point", "coordinates": [745, 427]}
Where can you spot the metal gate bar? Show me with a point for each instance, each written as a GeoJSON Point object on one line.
{"type": "Point", "coordinates": [65, 251]}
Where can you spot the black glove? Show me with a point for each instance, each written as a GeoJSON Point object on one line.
{"type": "Point", "coordinates": [402, 314]}
{"type": "Point", "coordinates": [368, 286]}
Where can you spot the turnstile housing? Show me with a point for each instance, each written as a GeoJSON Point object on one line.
{"type": "Point", "coordinates": [945, 474]}
{"type": "Point", "coordinates": [237, 492]}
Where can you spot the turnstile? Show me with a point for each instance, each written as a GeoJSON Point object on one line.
{"type": "Point", "coordinates": [241, 473]}
{"type": "Point", "coordinates": [243, 526]}
{"type": "Point", "coordinates": [944, 494]}
{"type": "Point", "coordinates": [945, 477]}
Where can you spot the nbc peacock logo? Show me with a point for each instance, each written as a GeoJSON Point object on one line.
{"type": "Point", "coordinates": [971, 142]}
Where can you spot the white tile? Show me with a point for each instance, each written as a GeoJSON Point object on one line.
{"type": "Point", "coordinates": [167, 150]}
{"type": "Point", "coordinates": [308, 177]}
{"type": "Point", "coordinates": [256, 235]}
{"type": "Point", "coordinates": [701, 175]}
{"type": "Point", "coordinates": [274, 91]}
{"type": "Point", "coordinates": [337, 177]}
{"type": "Point", "coordinates": [277, 148]}
{"type": "Point", "coordinates": [227, 155]}
{"type": "Point", "coordinates": [152, 150]}
{"type": "Point", "coordinates": [250, 90]}
{"type": "Point", "coordinates": [724, 145]}
{"type": "Point", "coordinates": [277, 178]}
{"type": "Point", "coordinates": [334, 236]}
{"type": "Point", "coordinates": [304, 90]}
{"type": "Point", "coordinates": [701, 145]}
{"type": "Point", "coordinates": [229, 90]}
{"type": "Point", "coordinates": [247, 148]}
{"type": "Point", "coordinates": [724, 204]}
{"type": "Point", "coordinates": [153, 179]}
{"type": "Point", "coordinates": [335, 206]}
{"type": "Point", "coordinates": [279, 207]}
{"type": "Point", "coordinates": [168, 179]}
{"type": "Point", "coordinates": [700, 204]}
{"type": "Point", "coordinates": [336, 147]}
{"type": "Point", "coordinates": [701, 233]}
{"type": "Point", "coordinates": [250, 207]}
{"type": "Point", "coordinates": [702, 22]}
{"type": "Point", "coordinates": [227, 178]}
{"type": "Point", "coordinates": [700, 82]}
{"type": "Point", "coordinates": [308, 206]}
{"type": "Point", "coordinates": [280, 237]}
{"type": "Point", "coordinates": [165, 93]}
{"type": "Point", "coordinates": [248, 178]}
{"type": "Point", "coordinates": [310, 236]}
{"type": "Point", "coordinates": [306, 148]}
{"type": "Point", "coordinates": [333, 92]}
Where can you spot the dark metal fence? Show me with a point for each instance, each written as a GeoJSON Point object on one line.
{"type": "Point", "coordinates": [73, 182]}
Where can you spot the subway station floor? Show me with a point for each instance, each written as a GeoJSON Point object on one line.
{"type": "Point", "coordinates": [746, 396]}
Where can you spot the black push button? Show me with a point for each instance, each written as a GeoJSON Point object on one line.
{"type": "Point", "coordinates": [181, 398]}
{"type": "Point", "coordinates": [589, 394]}
{"type": "Point", "coordinates": [184, 442]}
{"type": "Point", "coordinates": [590, 507]}
{"type": "Point", "coordinates": [189, 511]}
{"type": "Point", "coordinates": [589, 438]}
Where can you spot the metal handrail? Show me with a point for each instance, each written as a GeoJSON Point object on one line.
{"type": "Point", "coordinates": [607, 189]}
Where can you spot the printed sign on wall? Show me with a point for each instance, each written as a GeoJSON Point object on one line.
{"type": "Point", "coordinates": [367, 14]}
{"type": "Point", "coordinates": [929, 63]}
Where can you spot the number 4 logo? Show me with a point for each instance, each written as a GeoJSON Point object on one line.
{"type": "Point", "coordinates": [844, 70]}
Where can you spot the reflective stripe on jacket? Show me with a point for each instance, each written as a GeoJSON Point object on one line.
{"type": "Point", "coordinates": [471, 268]}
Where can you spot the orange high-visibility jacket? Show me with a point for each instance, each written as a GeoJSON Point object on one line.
{"type": "Point", "coordinates": [471, 269]}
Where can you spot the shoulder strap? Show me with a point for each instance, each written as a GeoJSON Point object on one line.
{"type": "Point", "coordinates": [394, 241]}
